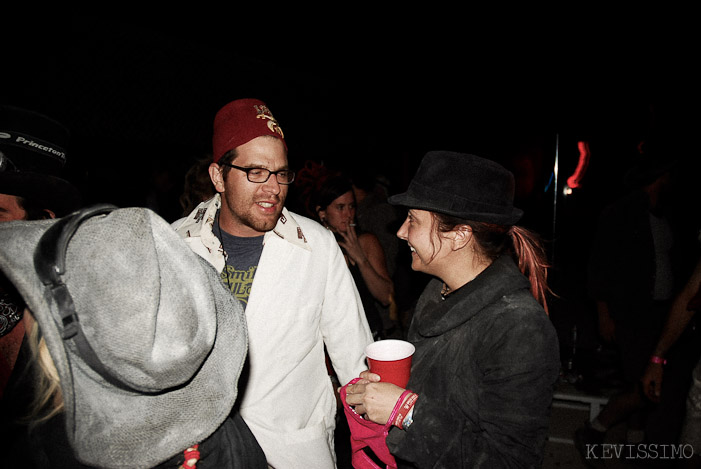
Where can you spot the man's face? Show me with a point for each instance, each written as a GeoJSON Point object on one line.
{"type": "Point", "coordinates": [249, 208]}
{"type": "Point", "coordinates": [10, 209]}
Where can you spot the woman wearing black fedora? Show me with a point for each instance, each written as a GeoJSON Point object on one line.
{"type": "Point", "coordinates": [487, 357]}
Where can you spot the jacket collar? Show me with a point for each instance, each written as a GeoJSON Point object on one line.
{"type": "Point", "coordinates": [201, 223]}
{"type": "Point", "coordinates": [439, 316]}
{"type": "Point", "coordinates": [288, 229]}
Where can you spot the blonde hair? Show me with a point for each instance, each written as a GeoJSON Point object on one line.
{"type": "Point", "coordinates": [48, 398]}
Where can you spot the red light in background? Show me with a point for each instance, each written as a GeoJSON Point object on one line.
{"type": "Point", "coordinates": [574, 181]}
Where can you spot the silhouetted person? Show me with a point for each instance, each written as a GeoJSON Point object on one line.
{"type": "Point", "coordinates": [634, 273]}
{"type": "Point", "coordinates": [198, 186]}
{"type": "Point", "coordinates": [33, 153]}
{"type": "Point", "coordinates": [375, 215]}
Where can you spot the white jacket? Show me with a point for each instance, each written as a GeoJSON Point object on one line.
{"type": "Point", "coordinates": [302, 298]}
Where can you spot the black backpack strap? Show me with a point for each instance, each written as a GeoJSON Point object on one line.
{"type": "Point", "coordinates": [50, 265]}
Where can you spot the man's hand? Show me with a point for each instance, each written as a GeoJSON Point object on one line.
{"type": "Point", "coordinates": [652, 381]}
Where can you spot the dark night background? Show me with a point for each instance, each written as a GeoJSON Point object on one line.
{"type": "Point", "coordinates": [139, 94]}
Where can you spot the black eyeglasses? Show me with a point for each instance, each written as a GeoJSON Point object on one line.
{"type": "Point", "coordinates": [261, 175]}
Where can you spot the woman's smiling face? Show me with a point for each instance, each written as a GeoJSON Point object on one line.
{"type": "Point", "coordinates": [427, 250]}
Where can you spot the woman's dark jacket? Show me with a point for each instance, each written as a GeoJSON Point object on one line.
{"type": "Point", "coordinates": [485, 368]}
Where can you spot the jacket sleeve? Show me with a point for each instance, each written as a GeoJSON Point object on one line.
{"type": "Point", "coordinates": [343, 324]}
{"type": "Point", "coordinates": [493, 410]}
{"type": "Point", "coordinates": [519, 366]}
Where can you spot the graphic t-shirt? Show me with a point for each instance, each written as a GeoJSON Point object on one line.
{"type": "Point", "coordinates": [242, 259]}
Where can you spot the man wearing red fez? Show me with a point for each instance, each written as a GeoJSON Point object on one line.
{"type": "Point", "coordinates": [292, 279]}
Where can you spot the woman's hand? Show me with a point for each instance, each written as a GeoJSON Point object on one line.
{"type": "Point", "coordinates": [372, 398]}
{"type": "Point", "coordinates": [366, 252]}
{"type": "Point", "coordinates": [351, 245]}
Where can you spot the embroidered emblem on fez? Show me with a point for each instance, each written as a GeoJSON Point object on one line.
{"type": "Point", "coordinates": [264, 113]}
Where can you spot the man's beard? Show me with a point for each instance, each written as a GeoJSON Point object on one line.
{"type": "Point", "coordinates": [244, 215]}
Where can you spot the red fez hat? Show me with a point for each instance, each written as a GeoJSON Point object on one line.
{"type": "Point", "coordinates": [241, 121]}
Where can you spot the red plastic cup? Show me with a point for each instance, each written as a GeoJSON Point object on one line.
{"type": "Point", "coordinates": [391, 359]}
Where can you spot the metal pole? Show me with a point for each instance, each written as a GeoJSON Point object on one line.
{"type": "Point", "coordinates": [555, 194]}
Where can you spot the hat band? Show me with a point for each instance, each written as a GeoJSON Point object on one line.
{"type": "Point", "coordinates": [49, 263]}
{"type": "Point", "coordinates": [20, 140]}
{"type": "Point", "coordinates": [454, 204]}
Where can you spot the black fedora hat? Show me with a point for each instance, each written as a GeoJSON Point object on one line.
{"type": "Point", "coordinates": [462, 185]}
{"type": "Point", "coordinates": [32, 158]}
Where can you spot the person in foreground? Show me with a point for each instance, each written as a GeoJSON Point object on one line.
{"type": "Point", "coordinates": [291, 276]}
{"type": "Point", "coordinates": [133, 352]}
{"type": "Point", "coordinates": [487, 357]}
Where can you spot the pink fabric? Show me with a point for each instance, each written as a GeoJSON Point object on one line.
{"type": "Point", "coordinates": [365, 433]}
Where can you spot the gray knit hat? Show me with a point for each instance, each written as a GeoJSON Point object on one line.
{"type": "Point", "coordinates": [148, 343]}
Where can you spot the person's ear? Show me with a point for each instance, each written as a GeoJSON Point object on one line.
{"type": "Point", "coordinates": [215, 174]}
{"type": "Point", "coordinates": [321, 213]}
{"type": "Point", "coordinates": [49, 214]}
{"type": "Point", "coordinates": [461, 236]}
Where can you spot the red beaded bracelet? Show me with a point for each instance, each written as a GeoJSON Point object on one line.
{"type": "Point", "coordinates": [192, 455]}
{"type": "Point", "coordinates": [656, 359]}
